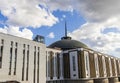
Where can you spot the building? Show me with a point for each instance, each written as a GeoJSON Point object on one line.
{"type": "Point", "coordinates": [77, 63]}
{"type": "Point", "coordinates": [21, 60]}
{"type": "Point", "coordinates": [64, 61]}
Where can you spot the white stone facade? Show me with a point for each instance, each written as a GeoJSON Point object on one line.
{"type": "Point", "coordinates": [22, 60]}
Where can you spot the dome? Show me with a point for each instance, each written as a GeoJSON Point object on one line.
{"type": "Point", "coordinates": [67, 43]}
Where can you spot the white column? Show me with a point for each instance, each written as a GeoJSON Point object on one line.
{"type": "Point", "coordinates": [73, 65]}
{"type": "Point", "coordinates": [87, 66]}
{"type": "Point", "coordinates": [96, 65]}
{"type": "Point", "coordinates": [0, 55]}
{"type": "Point", "coordinates": [61, 66]}
{"type": "Point", "coordinates": [55, 62]}
{"type": "Point", "coordinates": [119, 64]}
{"type": "Point", "coordinates": [110, 66]}
{"type": "Point", "coordinates": [104, 66]}
{"type": "Point", "coordinates": [48, 65]}
{"type": "Point", "coordinates": [115, 67]}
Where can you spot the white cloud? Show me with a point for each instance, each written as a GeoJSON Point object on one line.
{"type": "Point", "coordinates": [25, 33]}
{"type": "Point", "coordinates": [51, 35]}
{"type": "Point", "coordinates": [92, 35]}
{"type": "Point", "coordinates": [27, 13]}
{"type": "Point", "coordinates": [100, 16]}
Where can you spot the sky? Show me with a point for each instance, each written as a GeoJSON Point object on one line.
{"type": "Point", "coordinates": [93, 22]}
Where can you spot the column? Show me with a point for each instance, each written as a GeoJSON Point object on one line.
{"type": "Point", "coordinates": [55, 62]}
{"type": "Point", "coordinates": [110, 65]}
{"type": "Point", "coordinates": [48, 65]}
{"type": "Point", "coordinates": [96, 65]}
{"type": "Point", "coordinates": [73, 65]}
{"type": "Point", "coordinates": [87, 67]}
{"type": "Point", "coordinates": [104, 66]}
{"type": "Point", "coordinates": [61, 66]}
{"type": "Point", "coordinates": [115, 67]}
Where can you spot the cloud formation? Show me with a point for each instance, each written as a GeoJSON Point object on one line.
{"type": "Point", "coordinates": [93, 35]}
{"type": "Point", "coordinates": [101, 16]}
{"type": "Point", "coordinates": [51, 35]}
{"type": "Point", "coordinates": [27, 13]}
{"type": "Point", "coordinates": [25, 33]}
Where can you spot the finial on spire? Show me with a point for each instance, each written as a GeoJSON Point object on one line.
{"type": "Point", "coordinates": [65, 29]}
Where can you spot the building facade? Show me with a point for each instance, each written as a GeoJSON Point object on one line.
{"type": "Point", "coordinates": [27, 61]}
{"type": "Point", "coordinates": [22, 60]}
{"type": "Point", "coordinates": [83, 65]}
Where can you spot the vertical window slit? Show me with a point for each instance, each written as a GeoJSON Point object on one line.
{"type": "Point", "coordinates": [34, 81]}
{"type": "Point", "coordinates": [27, 64]}
{"type": "Point", "coordinates": [23, 67]}
{"type": "Point", "coordinates": [38, 66]}
{"type": "Point", "coordinates": [10, 66]}
{"type": "Point", "coordinates": [15, 61]}
{"type": "Point", "coordinates": [1, 54]}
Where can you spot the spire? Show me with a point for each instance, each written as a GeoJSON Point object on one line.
{"type": "Point", "coordinates": [65, 29]}
{"type": "Point", "coordinates": [66, 37]}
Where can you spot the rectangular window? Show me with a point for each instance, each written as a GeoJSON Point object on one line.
{"type": "Point", "coordinates": [1, 52]}
{"type": "Point", "coordinates": [15, 61]}
{"type": "Point", "coordinates": [23, 67]}
{"type": "Point", "coordinates": [27, 69]}
{"type": "Point", "coordinates": [38, 65]}
{"type": "Point", "coordinates": [58, 65]}
{"type": "Point", "coordinates": [73, 58]}
{"type": "Point", "coordinates": [34, 76]}
{"type": "Point", "coordinates": [49, 72]}
{"type": "Point", "coordinates": [10, 66]}
{"type": "Point", "coordinates": [87, 64]}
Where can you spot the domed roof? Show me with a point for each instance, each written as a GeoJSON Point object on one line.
{"type": "Point", "coordinates": [66, 43]}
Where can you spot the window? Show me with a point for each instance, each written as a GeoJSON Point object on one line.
{"type": "Point", "coordinates": [1, 54]}
{"type": "Point", "coordinates": [87, 64]}
{"type": "Point", "coordinates": [38, 65]}
{"type": "Point", "coordinates": [27, 69]}
{"type": "Point", "coordinates": [73, 58]}
{"type": "Point", "coordinates": [15, 61]}
{"type": "Point", "coordinates": [10, 66]}
{"type": "Point", "coordinates": [2, 41]}
{"type": "Point", "coordinates": [34, 76]}
{"type": "Point", "coordinates": [23, 67]}
{"type": "Point", "coordinates": [16, 45]}
{"type": "Point", "coordinates": [58, 65]}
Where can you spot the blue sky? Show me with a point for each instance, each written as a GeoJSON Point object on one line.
{"type": "Point", "coordinates": [93, 22]}
{"type": "Point", "coordinates": [73, 20]}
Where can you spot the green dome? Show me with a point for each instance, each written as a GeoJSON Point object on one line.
{"type": "Point", "coordinates": [66, 43]}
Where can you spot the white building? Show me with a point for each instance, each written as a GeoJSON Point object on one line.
{"type": "Point", "coordinates": [22, 60]}
{"type": "Point", "coordinates": [27, 61]}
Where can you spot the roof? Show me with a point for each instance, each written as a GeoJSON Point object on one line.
{"type": "Point", "coordinates": [67, 43]}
